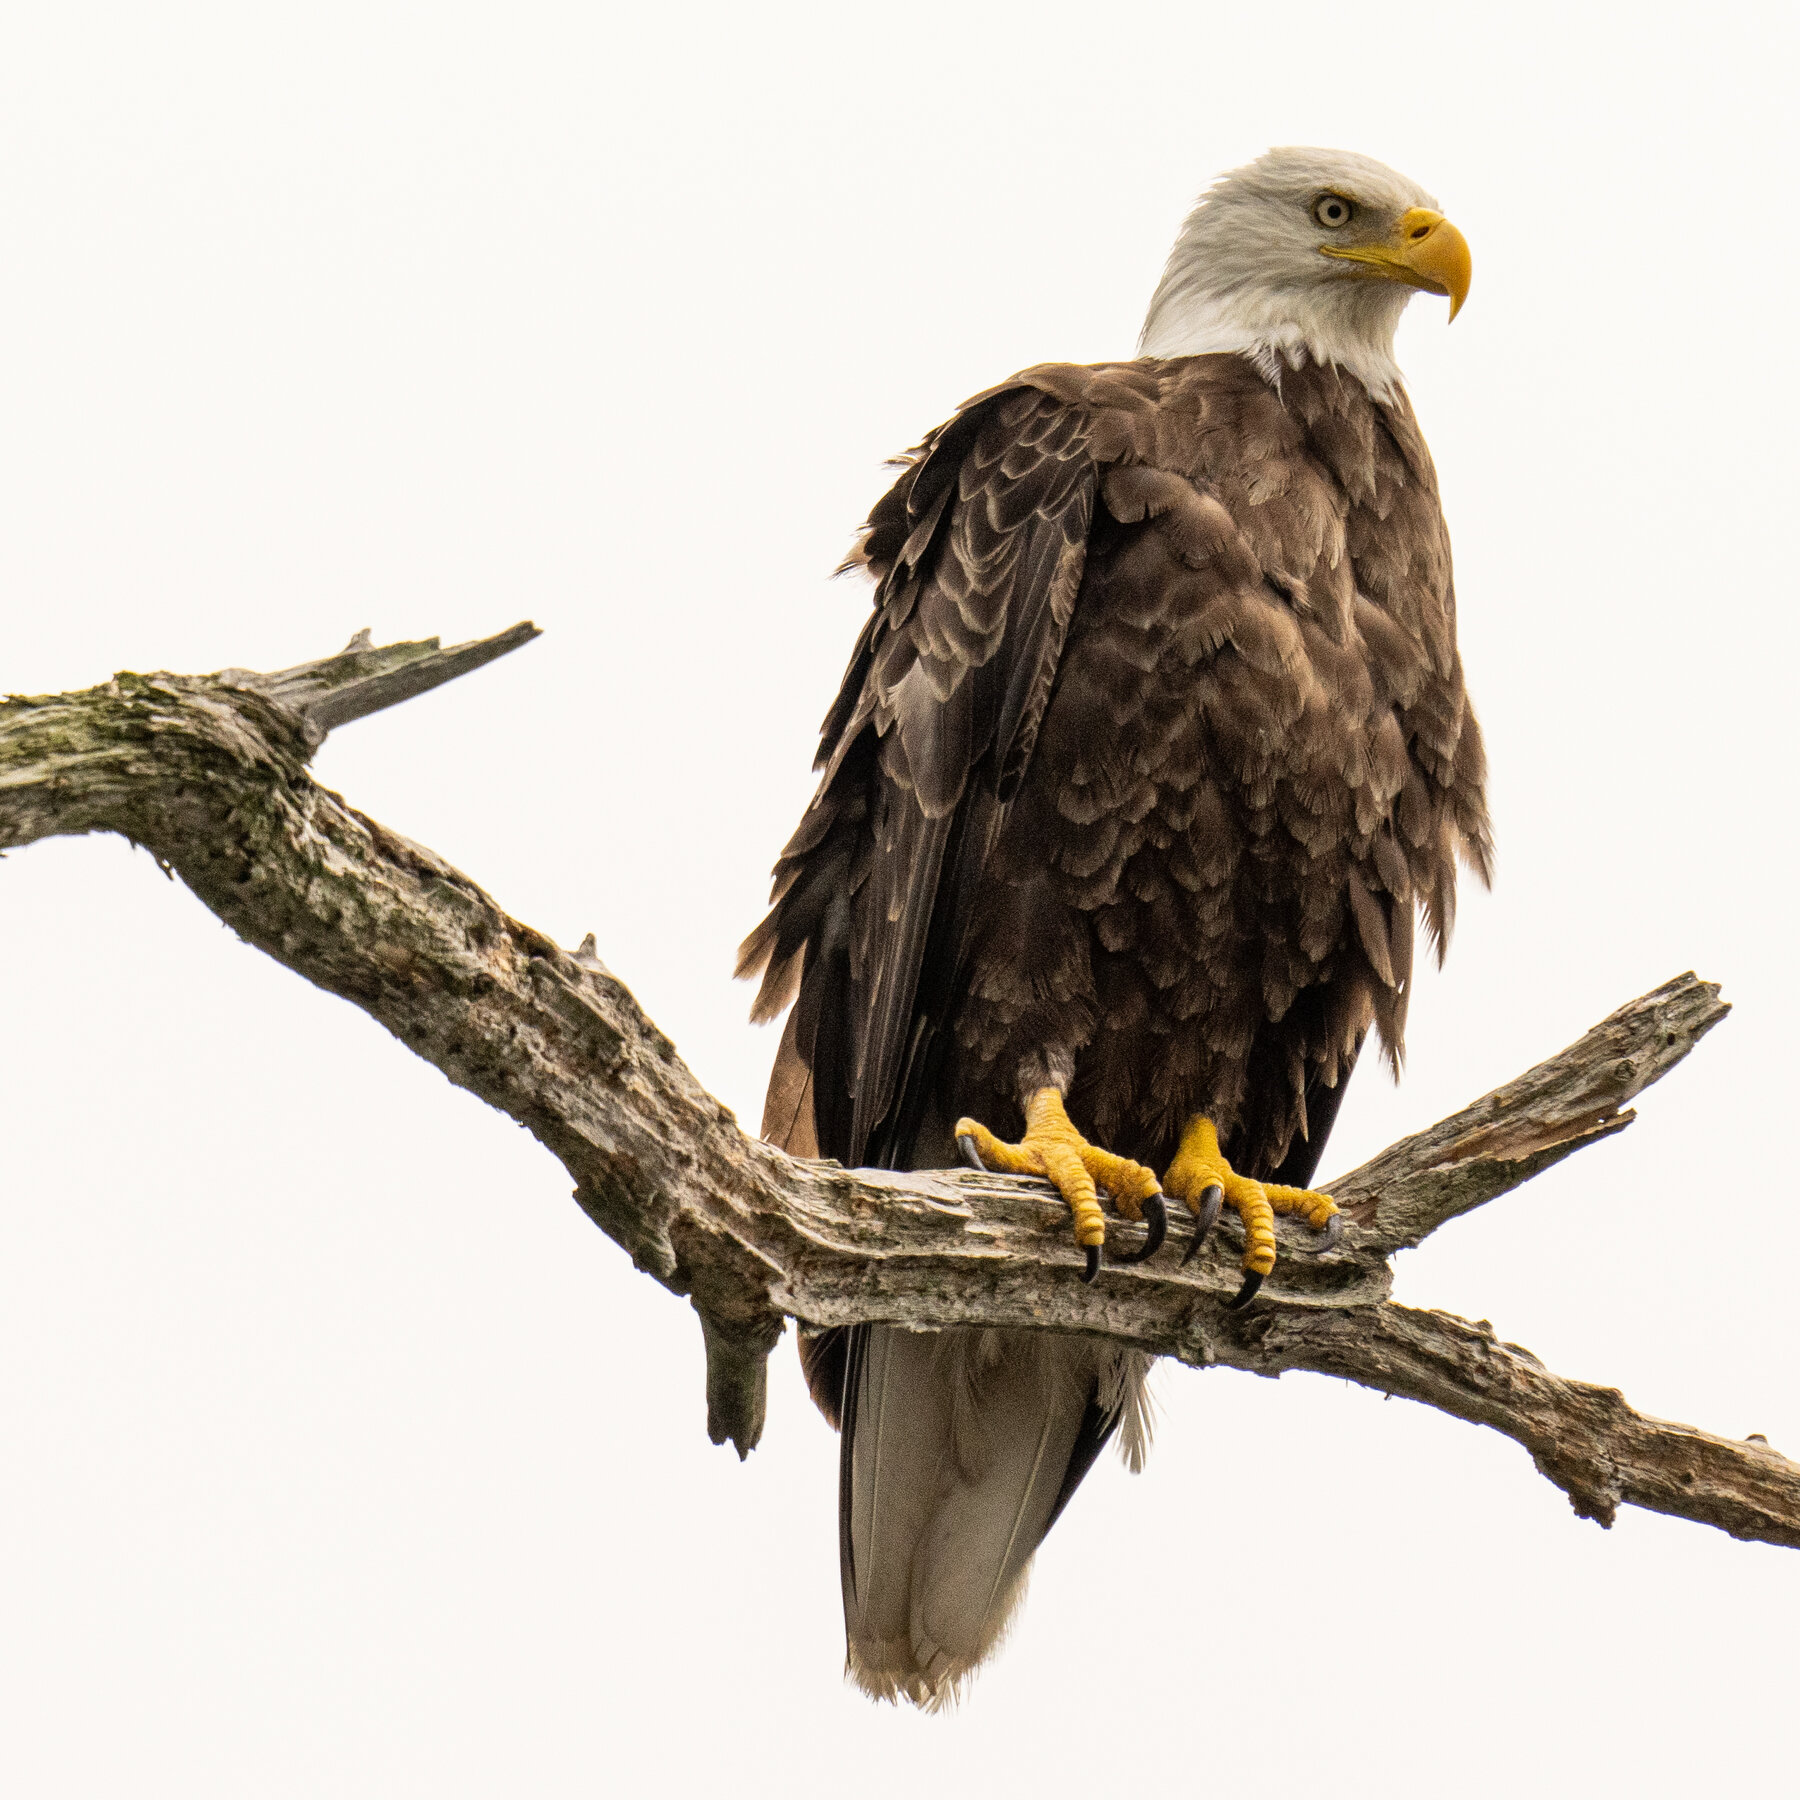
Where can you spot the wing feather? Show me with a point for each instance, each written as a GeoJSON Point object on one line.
{"type": "Point", "coordinates": [977, 552]}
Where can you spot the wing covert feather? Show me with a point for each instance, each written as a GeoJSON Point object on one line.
{"type": "Point", "coordinates": [977, 553]}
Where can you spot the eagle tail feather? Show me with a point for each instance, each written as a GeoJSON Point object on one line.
{"type": "Point", "coordinates": [956, 1451]}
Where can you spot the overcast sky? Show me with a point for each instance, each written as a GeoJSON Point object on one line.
{"type": "Point", "coordinates": [339, 1454]}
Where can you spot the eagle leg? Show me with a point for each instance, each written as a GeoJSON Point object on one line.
{"type": "Point", "coordinates": [1202, 1177]}
{"type": "Point", "coordinates": [1054, 1149]}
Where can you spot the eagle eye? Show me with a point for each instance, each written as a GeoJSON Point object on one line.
{"type": "Point", "coordinates": [1333, 210]}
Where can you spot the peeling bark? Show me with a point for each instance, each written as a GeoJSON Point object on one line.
{"type": "Point", "coordinates": [209, 774]}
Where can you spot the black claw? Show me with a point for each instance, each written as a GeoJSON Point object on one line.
{"type": "Point", "coordinates": [1212, 1201]}
{"type": "Point", "coordinates": [971, 1155]}
{"type": "Point", "coordinates": [1091, 1273]}
{"type": "Point", "coordinates": [1246, 1293]}
{"type": "Point", "coordinates": [1332, 1232]}
{"type": "Point", "coordinates": [1156, 1223]}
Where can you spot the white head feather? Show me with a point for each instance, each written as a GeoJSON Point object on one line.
{"type": "Point", "coordinates": [1246, 273]}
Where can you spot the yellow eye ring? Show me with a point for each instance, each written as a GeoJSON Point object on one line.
{"type": "Point", "coordinates": [1333, 210]}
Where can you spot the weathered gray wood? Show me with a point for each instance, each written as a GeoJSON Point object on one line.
{"type": "Point", "coordinates": [1585, 1439]}
{"type": "Point", "coordinates": [363, 679]}
{"type": "Point", "coordinates": [1506, 1137]}
{"type": "Point", "coordinates": [209, 774]}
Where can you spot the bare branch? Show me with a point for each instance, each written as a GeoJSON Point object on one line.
{"type": "Point", "coordinates": [1585, 1439]}
{"type": "Point", "coordinates": [209, 774]}
{"type": "Point", "coordinates": [362, 679]}
{"type": "Point", "coordinates": [1410, 1189]}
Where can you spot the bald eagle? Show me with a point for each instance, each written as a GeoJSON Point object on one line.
{"type": "Point", "coordinates": [1152, 747]}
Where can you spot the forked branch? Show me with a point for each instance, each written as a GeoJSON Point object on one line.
{"type": "Point", "coordinates": [209, 773]}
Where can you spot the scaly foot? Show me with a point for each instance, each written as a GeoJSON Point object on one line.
{"type": "Point", "coordinates": [1202, 1177]}
{"type": "Point", "coordinates": [1053, 1148]}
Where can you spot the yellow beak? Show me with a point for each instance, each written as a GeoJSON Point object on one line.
{"type": "Point", "coordinates": [1426, 251]}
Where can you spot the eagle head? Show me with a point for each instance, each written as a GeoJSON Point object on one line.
{"type": "Point", "coordinates": [1306, 255]}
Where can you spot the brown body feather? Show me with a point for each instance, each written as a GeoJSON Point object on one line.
{"type": "Point", "coordinates": [1153, 745]}
{"type": "Point", "coordinates": [1155, 738]}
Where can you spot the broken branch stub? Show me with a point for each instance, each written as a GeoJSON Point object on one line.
{"type": "Point", "coordinates": [363, 679]}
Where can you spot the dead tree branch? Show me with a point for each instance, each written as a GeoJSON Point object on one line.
{"type": "Point", "coordinates": [209, 774]}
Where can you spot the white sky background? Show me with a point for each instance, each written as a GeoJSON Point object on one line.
{"type": "Point", "coordinates": [339, 1454]}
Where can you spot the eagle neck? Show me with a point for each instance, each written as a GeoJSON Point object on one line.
{"type": "Point", "coordinates": [1347, 325]}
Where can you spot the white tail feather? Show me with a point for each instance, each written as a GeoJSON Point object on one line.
{"type": "Point", "coordinates": [1128, 1395]}
{"type": "Point", "coordinates": [959, 1445]}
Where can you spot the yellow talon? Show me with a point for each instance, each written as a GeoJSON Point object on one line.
{"type": "Point", "coordinates": [1054, 1149]}
{"type": "Point", "coordinates": [1200, 1165]}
